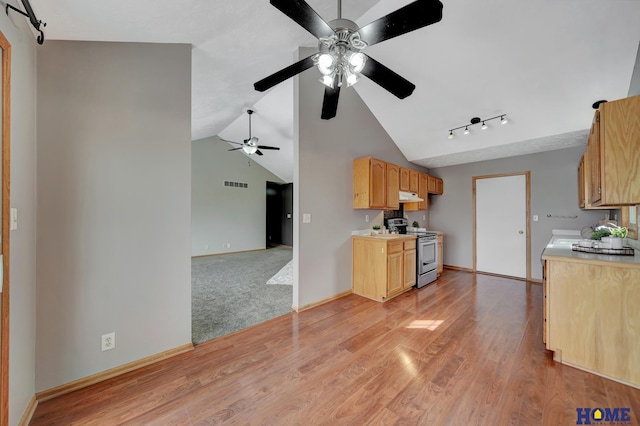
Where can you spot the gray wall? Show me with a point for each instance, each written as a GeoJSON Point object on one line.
{"type": "Point", "coordinates": [634, 87]}
{"type": "Point", "coordinates": [323, 174]}
{"type": "Point", "coordinates": [554, 190]}
{"type": "Point", "coordinates": [22, 332]}
{"type": "Point", "coordinates": [222, 214]}
{"type": "Point", "coordinates": [114, 169]}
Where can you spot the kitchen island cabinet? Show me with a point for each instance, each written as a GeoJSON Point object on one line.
{"type": "Point", "coordinates": [383, 266]}
{"type": "Point", "coordinates": [591, 312]}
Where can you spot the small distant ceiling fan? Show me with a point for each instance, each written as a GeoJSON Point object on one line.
{"type": "Point", "coordinates": [340, 42]}
{"type": "Point", "coordinates": [250, 146]}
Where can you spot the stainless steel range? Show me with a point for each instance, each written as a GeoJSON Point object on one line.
{"type": "Point", "coordinates": [426, 251]}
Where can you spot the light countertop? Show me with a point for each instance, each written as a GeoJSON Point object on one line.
{"type": "Point", "coordinates": [556, 251]}
{"type": "Point", "coordinates": [386, 237]}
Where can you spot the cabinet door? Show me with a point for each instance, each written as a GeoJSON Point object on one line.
{"type": "Point", "coordinates": [393, 185]}
{"type": "Point", "coordinates": [405, 178]}
{"type": "Point", "coordinates": [413, 180]}
{"type": "Point", "coordinates": [439, 186]}
{"type": "Point", "coordinates": [593, 148]}
{"type": "Point", "coordinates": [423, 192]}
{"type": "Point", "coordinates": [581, 196]}
{"type": "Point", "coordinates": [620, 152]}
{"type": "Point", "coordinates": [394, 273]}
{"type": "Point", "coordinates": [378, 184]}
{"type": "Point", "coordinates": [409, 268]}
{"type": "Point", "coordinates": [431, 185]}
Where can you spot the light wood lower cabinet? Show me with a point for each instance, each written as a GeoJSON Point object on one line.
{"type": "Point", "coordinates": [383, 268]}
{"type": "Point", "coordinates": [592, 317]}
{"type": "Point", "coordinates": [440, 267]}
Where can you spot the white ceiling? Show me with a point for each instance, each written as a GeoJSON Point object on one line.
{"type": "Point", "coordinates": [542, 63]}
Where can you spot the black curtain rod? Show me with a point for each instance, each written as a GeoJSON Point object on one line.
{"type": "Point", "coordinates": [32, 17]}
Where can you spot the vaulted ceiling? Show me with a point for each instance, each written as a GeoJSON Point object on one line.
{"type": "Point", "coordinates": [542, 63]}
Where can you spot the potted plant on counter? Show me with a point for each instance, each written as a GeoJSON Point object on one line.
{"type": "Point", "coordinates": [376, 229]}
{"type": "Point", "coordinates": [614, 237]}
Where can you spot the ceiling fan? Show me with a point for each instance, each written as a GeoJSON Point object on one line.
{"type": "Point", "coordinates": [340, 42]}
{"type": "Point", "coordinates": [250, 146]}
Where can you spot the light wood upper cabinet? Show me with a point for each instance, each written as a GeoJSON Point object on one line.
{"type": "Point", "coordinates": [614, 154]}
{"type": "Point", "coordinates": [439, 186]}
{"type": "Point", "coordinates": [422, 193]}
{"type": "Point", "coordinates": [431, 184]}
{"type": "Point", "coordinates": [383, 268]}
{"type": "Point", "coordinates": [435, 185]}
{"type": "Point", "coordinates": [375, 184]}
{"type": "Point", "coordinates": [413, 180]}
{"type": "Point", "coordinates": [393, 184]}
{"type": "Point", "coordinates": [584, 184]}
{"type": "Point", "coordinates": [405, 179]}
{"type": "Point", "coordinates": [581, 186]}
{"type": "Point", "coordinates": [593, 150]}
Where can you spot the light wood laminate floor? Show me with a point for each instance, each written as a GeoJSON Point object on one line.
{"type": "Point", "coordinates": [464, 350]}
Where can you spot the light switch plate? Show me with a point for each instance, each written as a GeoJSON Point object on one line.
{"type": "Point", "coordinates": [306, 218]}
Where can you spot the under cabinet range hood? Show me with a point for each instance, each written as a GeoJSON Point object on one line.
{"type": "Point", "coordinates": [409, 197]}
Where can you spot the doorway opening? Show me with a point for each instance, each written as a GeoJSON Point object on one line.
{"type": "Point", "coordinates": [279, 221]}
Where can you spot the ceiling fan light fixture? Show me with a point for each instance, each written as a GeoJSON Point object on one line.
{"type": "Point", "coordinates": [250, 148]}
{"type": "Point", "coordinates": [357, 61]}
{"type": "Point", "coordinates": [352, 78]}
{"type": "Point", "coordinates": [328, 80]}
{"type": "Point", "coordinates": [326, 63]}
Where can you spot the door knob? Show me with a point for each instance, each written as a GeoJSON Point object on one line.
{"type": "Point", "coordinates": [520, 232]}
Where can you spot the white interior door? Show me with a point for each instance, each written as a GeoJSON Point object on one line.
{"type": "Point", "coordinates": [501, 225]}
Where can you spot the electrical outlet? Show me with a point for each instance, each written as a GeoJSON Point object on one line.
{"type": "Point", "coordinates": [108, 341]}
{"type": "Point", "coordinates": [535, 217]}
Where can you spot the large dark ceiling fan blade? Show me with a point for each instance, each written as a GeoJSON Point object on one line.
{"type": "Point", "coordinates": [258, 152]}
{"type": "Point", "coordinates": [305, 16]}
{"type": "Point", "coordinates": [283, 74]}
{"type": "Point", "coordinates": [268, 147]}
{"type": "Point", "coordinates": [393, 82]}
{"type": "Point", "coordinates": [330, 103]}
{"type": "Point", "coordinates": [234, 149]}
{"type": "Point", "coordinates": [415, 15]}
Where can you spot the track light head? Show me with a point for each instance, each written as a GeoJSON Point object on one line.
{"type": "Point", "coordinates": [451, 135]}
{"type": "Point", "coordinates": [503, 120]}
{"type": "Point", "coordinates": [466, 130]}
{"type": "Point", "coordinates": [484, 126]}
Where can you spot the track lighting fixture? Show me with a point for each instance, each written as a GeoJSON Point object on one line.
{"type": "Point", "coordinates": [476, 120]}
